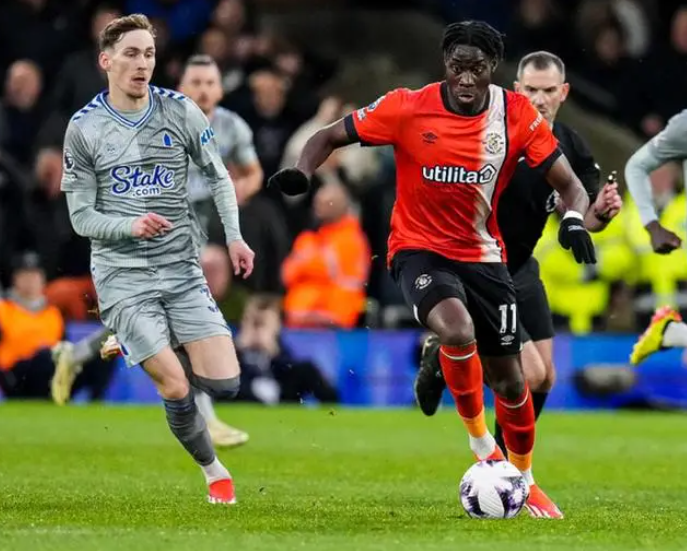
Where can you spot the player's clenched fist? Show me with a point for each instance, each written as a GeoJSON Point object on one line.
{"type": "Point", "coordinates": [290, 181]}
{"type": "Point", "coordinates": [663, 241]}
{"type": "Point", "coordinates": [241, 257]}
{"type": "Point", "coordinates": [150, 225]}
{"type": "Point", "coordinates": [573, 235]}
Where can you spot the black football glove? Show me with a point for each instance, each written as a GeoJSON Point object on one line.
{"type": "Point", "coordinates": [290, 181]}
{"type": "Point", "coordinates": [573, 235]}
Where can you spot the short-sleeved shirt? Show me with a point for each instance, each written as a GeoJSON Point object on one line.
{"type": "Point", "coordinates": [452, 169]}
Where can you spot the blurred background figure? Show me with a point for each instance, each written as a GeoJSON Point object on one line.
{"type": "Point", "coordinates": [32, 346]}
{"type": "Point", "coordinates": [80, 79]}
{"type": "Point", "coordinates": [270, 374]}
{"type": "Point", "coordinates": [66, 256]}
{"type": "Point", "coordinates": [327, 270]}
{"type": "Point", "coordinates": [22, 109]}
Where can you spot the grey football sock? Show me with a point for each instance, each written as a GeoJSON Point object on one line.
{"type": "Point", "coordinates": [188, 425]}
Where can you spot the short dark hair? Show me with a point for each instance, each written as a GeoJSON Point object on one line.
{"type": "Point", "coordinates": [117, 28]}
{"type": "Point", "coordinates": [473, 33]}
{"type": "Point", "coordinates": [541, 61]}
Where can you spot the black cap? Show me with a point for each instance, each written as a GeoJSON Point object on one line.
{"type": "Point", "coordinates": [27, 261]}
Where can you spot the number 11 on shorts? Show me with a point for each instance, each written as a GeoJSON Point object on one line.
{"type": "Point", "coordinates": [504, 308]}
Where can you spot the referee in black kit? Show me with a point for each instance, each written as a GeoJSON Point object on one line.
{"type": "Point", "coordinates": [523, 211]}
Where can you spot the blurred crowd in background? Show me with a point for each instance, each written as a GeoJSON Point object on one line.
{"type": "Point", "coordinates": [324, 253]}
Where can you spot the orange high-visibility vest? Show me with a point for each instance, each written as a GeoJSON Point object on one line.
{"type": "Point", "coordinates": [325, 276]}
{"type": "Point", "coordinates": [23, 333]}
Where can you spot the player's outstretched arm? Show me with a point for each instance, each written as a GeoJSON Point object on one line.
{"type": "Point", "coordinates": [668, 145]}
{"type": "Point", "coordinates": [572, 233]}
{"type": "Point", "coordinates": [296, 180]}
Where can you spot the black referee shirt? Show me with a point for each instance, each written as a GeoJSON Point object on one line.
{"type": "Point", "coordinates": [528, 199]}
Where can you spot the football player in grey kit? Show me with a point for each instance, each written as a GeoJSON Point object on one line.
{"type": "Point", "coordinates": [201, 81]}
{"type": "Point", "coordinates": [126, 159]}
{"type": "Point", "coordinates": [667, 329]}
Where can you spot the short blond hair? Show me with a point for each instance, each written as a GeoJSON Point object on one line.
{"type": "Point", "coordinates": [117, 28]}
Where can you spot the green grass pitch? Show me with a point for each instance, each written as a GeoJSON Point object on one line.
{"type": "Point", "coordinates": [106, 478]}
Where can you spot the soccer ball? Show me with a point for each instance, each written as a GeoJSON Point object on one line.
{"type": "Point", "coordinates": [493, 489]}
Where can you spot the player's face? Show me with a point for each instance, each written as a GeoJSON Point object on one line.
{"type": "Point", "coordinates": [468, 75]}
{"type": "Point", "coordinates": [130, 63]}
{"type": "Point", "coordinates": [544, 88]}
{"type": "Point", "coordinates": [202, 84]}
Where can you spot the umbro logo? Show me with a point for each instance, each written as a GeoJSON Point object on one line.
{"type": "Point", "coordinates": [429, 137]}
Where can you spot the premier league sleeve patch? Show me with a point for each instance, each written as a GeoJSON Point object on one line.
{"type": "Point", "coordinates": [68, 161]}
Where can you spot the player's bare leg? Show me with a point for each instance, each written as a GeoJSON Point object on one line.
{"type": "Point", "coordinates": [515, 414]}
{"type": "Point", "coordinates": [187, 424]}
{"type": "Point", "coordinates": [462, 371]}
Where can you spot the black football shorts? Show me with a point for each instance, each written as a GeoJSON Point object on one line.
{"type": "Point", "coordinates": [533, 305]}
{"type": "Point", "coordinates": [486, 289]}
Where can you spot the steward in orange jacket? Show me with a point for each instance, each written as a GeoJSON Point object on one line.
{"type": "Point", "coordinates": [327, 270]}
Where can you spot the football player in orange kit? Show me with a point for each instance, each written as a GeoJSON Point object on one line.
{"type": "Point", "coordinates": [457, 144]}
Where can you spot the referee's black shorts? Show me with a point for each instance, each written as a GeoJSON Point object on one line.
{"type": "Point", "coordinates": [533, 305]}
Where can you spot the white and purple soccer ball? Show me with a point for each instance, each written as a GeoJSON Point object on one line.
{"type": "Point", "coordinates": [493, 490]}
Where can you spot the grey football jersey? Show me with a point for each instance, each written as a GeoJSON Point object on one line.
{"type": "Point", "coordinates": [668, 145]}
{"type": "Point", "coordinates": [235, 142]}
{"type": "Point", "coordinates": [116, 169]}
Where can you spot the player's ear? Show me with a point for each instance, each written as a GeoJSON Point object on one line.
{"type": "Point", "coordinates": [104, 61]}
{"type": "Point", "coordinates": [516, 86]}
{"type": "Point", "coordinates": [565, 90]}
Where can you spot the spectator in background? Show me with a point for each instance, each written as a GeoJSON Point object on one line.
{"type": "Point", "coordinates": [80, 78]}
{"type": "Point", "coordinates": [214, 43]}
{"type": "Point", "coordinates": [327, 270]}
{"type": "Point", "coordinates": [31, 333]}
{"type": "Point", "coordinates": [231, 18]}
{"type": "Point", "coordinates": [610, 74]}
{"type": "Point", "coordinates": [664, 82]}
{"type": "Point", "coordinates": [40, 30]}
{"type": "Point", "coordinates": [269, 117]}
{"type": "Point", "coordinates": [538, 25]}
{"type": "Point", "coordinates": [22, 112]}
{"type": "Point", "coordinates": [633, 17]}
{"type": "Point", "coordinates": [269, 372]}
{"type": "Point", "coordinates": [330, 110]}
{"type": "Point", "coordinates": [16, 231]}
{"type": "Point", "coordinates": [359, 163]}
{"type": "Point", "coordinates": [65, 254]}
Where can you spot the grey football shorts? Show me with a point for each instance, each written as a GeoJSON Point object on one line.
{"type": "Point", "coordinates": [151, 308]}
